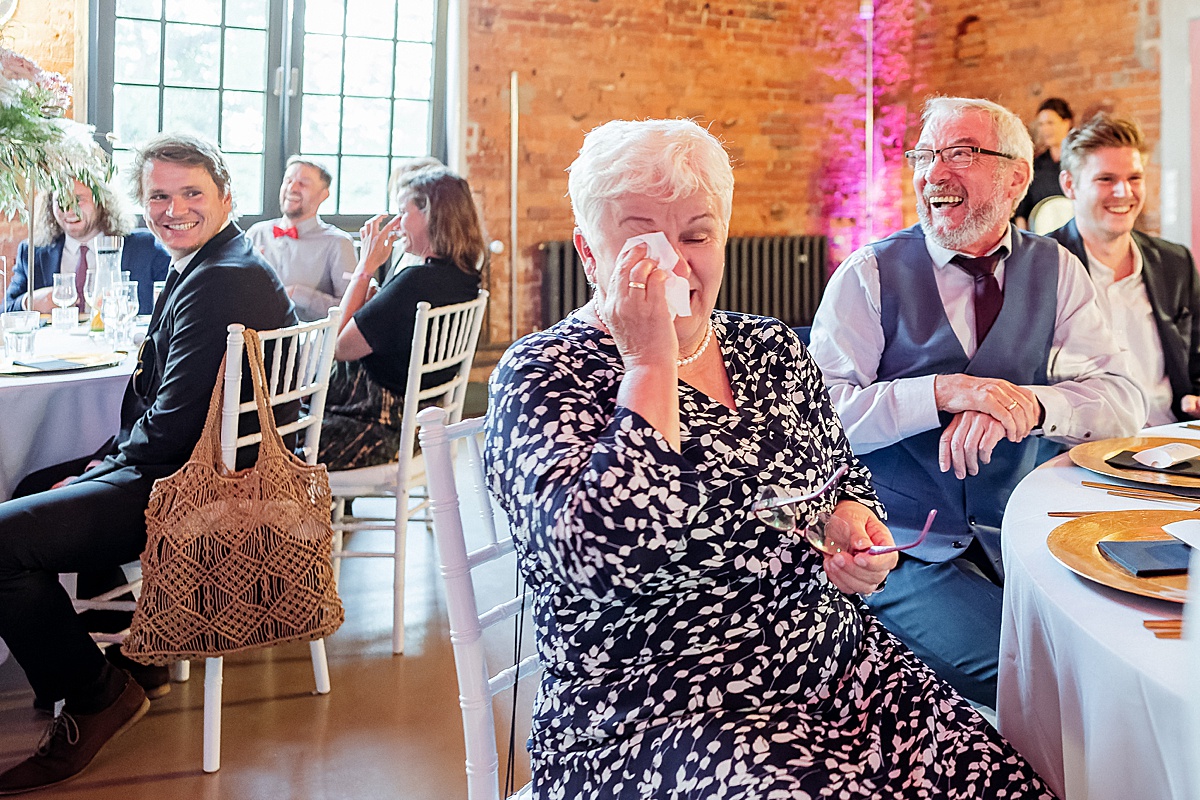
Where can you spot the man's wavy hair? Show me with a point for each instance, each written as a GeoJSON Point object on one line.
{"type": "Point", "coordinates": [114, 217]}
{"type": "Point", "coordinates": [181, 148]}
{"type": "Point", "coordinates": [1102, 130]}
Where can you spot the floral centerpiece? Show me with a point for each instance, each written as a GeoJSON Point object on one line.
{"type": "Point", "coordinates": [41, 150]}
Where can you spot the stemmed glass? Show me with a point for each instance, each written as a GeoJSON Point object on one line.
{"type": "Point", "coordinates": [826, 532]}
{"type": "Point", "coordinates": [118, 310]}
{"type": "Point", "coordinates": [93, 290]}
{"type": "Point", "coordinates": [65, 297]}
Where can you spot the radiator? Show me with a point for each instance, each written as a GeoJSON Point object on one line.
{"type": "Point", "coordinates": [774, 276]}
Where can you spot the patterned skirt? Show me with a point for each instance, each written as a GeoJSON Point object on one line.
{"type": "Point", "coordinates": [362, 420]}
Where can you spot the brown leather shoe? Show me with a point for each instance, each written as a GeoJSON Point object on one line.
{"type": "Point", "coordinates": [73, 740]}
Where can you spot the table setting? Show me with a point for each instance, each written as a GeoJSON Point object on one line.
{"type": "Point", "coordinates": [1094, 684]}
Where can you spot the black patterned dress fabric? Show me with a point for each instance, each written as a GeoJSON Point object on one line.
{"type": "Point", "coordinates": [361, 427]}
{"type": "Point", "coordinates": [691, 651]}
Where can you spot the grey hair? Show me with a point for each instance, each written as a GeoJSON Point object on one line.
{"type": "Point", "coordinates": [663, 158]}
{"type": "Point", "coordinates": [1012, 136]}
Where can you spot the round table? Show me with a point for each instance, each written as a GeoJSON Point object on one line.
{"type": "Point", "coordinates": [1092, 699]}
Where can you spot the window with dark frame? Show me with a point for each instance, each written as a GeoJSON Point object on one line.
{"type": "Point", "coordinates": [358, 85]}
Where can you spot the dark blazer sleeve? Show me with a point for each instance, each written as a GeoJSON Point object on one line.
{"type": "Point", "coordinates": [147, 262]}
{"type": "Point", "coordinates": [45, 263]}
{"type": "Point", "coordinates": [184, 352]}
{"type": "Point", "coordinates": [1173, 286]}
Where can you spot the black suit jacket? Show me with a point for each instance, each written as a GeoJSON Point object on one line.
{"type": "Point", "coordinates": [142, 255]}
{"type": "Point", "coordinates": [167, 399]}
{"type": "Point", "coordinates": [1169, 274]}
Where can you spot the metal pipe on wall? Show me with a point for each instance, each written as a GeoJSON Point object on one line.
{"type": "Point", "coordinates": [514, 111]}
{"type": "Point", "coordinates": [866, 12]}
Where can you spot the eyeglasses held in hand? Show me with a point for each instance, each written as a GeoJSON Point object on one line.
{"type": "Point", "coordinates": [776, 508]}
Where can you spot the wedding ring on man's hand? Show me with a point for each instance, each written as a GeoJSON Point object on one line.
{"type": "Point", "coordinates": [1011, 406]}
{"type": "Point", "coordinates": [636, 285]}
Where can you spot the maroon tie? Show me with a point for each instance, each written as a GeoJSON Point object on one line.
{"type": "Point", "coordinates": [988, 297]}
{"type": "Point", "coordinates": [81, 277]}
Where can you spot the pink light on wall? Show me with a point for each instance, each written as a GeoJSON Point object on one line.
{"type": "Point", "coordinates": [863, 174]}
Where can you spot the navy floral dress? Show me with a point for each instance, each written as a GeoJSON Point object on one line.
{"type": "Point", "coordinates": [690, 650]}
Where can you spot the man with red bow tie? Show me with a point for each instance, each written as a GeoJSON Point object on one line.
{"type": "Point", "coordinates": [313, 259]}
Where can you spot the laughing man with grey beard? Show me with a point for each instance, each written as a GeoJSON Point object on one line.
{"type": "Point", "coordinates": [959, 354]}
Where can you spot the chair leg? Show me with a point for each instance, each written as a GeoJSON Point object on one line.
{"type": "Point", "coordinates": [320, 666]}
{"type": "Point", "coordinates": [339, 509]}
{"type": "Point", "coordinates": [213, 677]}
{"type": "Point", "coordinates": [181, 671]}
{"type": "Point", "coordinates": [398, 564]}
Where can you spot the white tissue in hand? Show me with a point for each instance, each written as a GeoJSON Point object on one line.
{"type": "Point", "coordinates": [659, 249]}
{"type": "Point", "coordinates": [1167, 455]}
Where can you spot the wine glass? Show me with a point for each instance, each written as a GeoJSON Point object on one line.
{"type": "Point", "coordinates": [65, 297]}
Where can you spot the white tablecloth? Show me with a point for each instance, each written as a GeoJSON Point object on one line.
{"type": "Point", "coordinates": [1095, 702]}
{"type": "Point", "coordinates": [51, 418]}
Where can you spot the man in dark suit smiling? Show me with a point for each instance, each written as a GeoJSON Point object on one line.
{"type": "Point", "coordinates": [1148, 286]}
{"type": "Point", "coordinates": [97, 521]}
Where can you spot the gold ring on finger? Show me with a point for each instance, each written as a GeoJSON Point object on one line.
{"type": "Point", "coordinates": [1011, 405]}
{"type": "Point", "coordinates": [636, 285]}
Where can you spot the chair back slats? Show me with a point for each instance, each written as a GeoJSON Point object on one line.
{"type": "Point", "coordinates": [476, 687]}
{"type": "Point", "coordinates": [298, 368]}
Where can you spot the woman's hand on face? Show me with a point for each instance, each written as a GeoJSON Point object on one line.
{"type": "Point", "coordinates": [378, 239]}
{"type": "Point", "coordinates": [637, 317]}
{"type": "Point", "coordinates": [859, 574]}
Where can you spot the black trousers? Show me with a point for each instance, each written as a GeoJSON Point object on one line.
{"type": "Point", "coordinates": [92, 527]}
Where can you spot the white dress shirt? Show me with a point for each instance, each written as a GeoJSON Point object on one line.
{"type": "Point", "coordinates": [1090, 395]}
{"type": "Point", "coordinates": [1127, 305]}
{"type": "Point", "coordinates": [70, 256]}
{"type": "Point", "coordinates": [315, 267]}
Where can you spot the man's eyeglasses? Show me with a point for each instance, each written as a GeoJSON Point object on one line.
{"type": "Point", "coordinates": [960, 156]}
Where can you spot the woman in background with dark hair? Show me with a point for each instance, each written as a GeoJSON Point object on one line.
{"type": "Point", "coordinates": [1054, 121]}
{"type": "Point", "coordinates": [438, 222]}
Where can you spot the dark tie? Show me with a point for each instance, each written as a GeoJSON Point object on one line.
{"type": "Point", "coordinates": [172, 279]}
{"type": "Point", "coordinates": [81, 277]}
{"type": "Point", "coordinates": [290, 232]}
{"type": "Point", "coordinates": [988, 297]}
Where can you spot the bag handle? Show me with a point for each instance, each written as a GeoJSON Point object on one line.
{"type": "Point", "coordinates": [208, 446]}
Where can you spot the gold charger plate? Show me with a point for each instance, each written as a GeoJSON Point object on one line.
{"type": "Point", "coordinates": [1093, 456]}
{"type": "Point", "coordinates": [1074, 545]}
{"type": "Point", "coordinates": [76, 361]}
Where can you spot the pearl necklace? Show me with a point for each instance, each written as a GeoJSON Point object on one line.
{"type": "Point", "coordinates": [683, 362]}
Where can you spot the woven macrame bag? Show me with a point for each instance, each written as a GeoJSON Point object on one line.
{"type": "Point", "coordinates": [235, 560]}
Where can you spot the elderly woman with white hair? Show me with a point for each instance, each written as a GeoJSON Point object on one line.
{"type": "Point", "coordinates": [695, 647]}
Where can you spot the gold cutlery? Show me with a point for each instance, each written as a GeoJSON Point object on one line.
{"type": "Point", "coordinates": [1070, 514]}
{"type": "Point", "coordinates": [1141, 494]}
{"type": "Point", "coordinates": [1165, 628]}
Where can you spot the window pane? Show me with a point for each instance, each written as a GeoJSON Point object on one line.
{"type": "Point", "coordinates": [246, 13]}
{"type": "Point", "coordinates": [135, 113]}
{"type": "Point", "coordinates": [414, 70]}
{"type": "Point", "coordinates": [207, 12]}
{"type": "Point", "coordinates": [330, 206]}
{"type": "Point", "coordinates": [320, 124]}
{"type": "Point", "coordinates": [246, 60]}
{"type": "Point", "coordinates": [242, 117]}
{"type": "Point", "coordinates": [323, 16]}
{"type": "Point", "coordinates": [366, 126]}
{"type": "Point", "coordinates": [191, 111]}
{"type": "Point", "coordinates": [363, 187]}
{"type": "Point", "coordinates": [415, 23]}
{"type": "Point", "coordinates": [123, 161]}
{"type": "Point", "coordinates": [246, 174]}
{"type": "Point", "coordinates": [136, 52]}
{"type": "Point", "coordinates": [371, 18]}
{"type": "Point", "coordinates": [323, 64]}
{"type": "Point", "coordinates": [410, 130]}
{"type": "Point", "coordinates": [193, 56]}
{"type": "Point", "coordinates": [363, 74]}
{"type": "Point", "coordinates": [146, 9]}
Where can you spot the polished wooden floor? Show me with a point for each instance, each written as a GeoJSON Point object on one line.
{"type": "Point", "coordinates": [390, 727]}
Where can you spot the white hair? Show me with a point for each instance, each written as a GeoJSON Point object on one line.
{"type": "Point", "coordinates": [663, 158]}
{"type": "Point", "coordinates": [1012, 137]}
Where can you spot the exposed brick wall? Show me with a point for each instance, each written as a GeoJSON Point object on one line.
{"type": "Point", "coordinates": [781, 82]}
{"type": "Point", "coordinates": [44, 30]}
